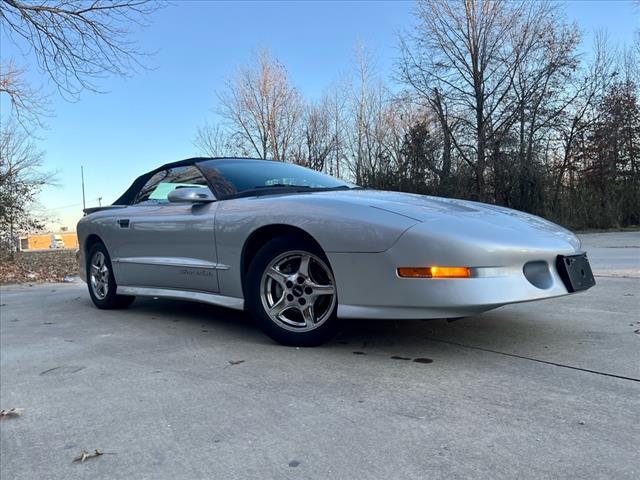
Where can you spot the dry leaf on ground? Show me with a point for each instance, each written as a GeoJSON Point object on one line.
{"type": "Point", "coordinates": [84, 455]}
{"type": "Point", "coordinates": [12, 412]}
{"type": "Point", "coordinates": [38, 266]}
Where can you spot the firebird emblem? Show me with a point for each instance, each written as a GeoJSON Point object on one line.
{"type": "Point", "coordinates": [200, 272]}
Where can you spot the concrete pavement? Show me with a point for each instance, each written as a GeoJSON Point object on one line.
{"type": "Point", "coordinates": [176, 390]}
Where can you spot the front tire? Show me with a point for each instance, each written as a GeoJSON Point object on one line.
{"type": "Point", "coordinates": [291, 293]}
{"type": "Point", "coordinates": [101, 282]}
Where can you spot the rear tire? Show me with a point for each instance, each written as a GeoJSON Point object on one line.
{"type": "Point", "coordinates": [101, 282]}
{"type": "Point", "coordinates": [291, 293]}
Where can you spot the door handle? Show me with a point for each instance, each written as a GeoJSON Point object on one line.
{"type": "Point", "coordinates": [123, 222]}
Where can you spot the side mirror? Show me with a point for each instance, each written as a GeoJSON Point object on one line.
{"type": "Point", "coordinates": [191, 195]}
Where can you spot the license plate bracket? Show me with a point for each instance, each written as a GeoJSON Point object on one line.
{"type": "Point", "coordinates": [575, 272]}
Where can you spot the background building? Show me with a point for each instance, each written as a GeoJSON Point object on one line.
{"type": "Point", "coordinates": [47, 241]}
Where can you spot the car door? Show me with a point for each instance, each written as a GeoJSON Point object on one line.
{"type": "Point", "coordinates": [167, 245]}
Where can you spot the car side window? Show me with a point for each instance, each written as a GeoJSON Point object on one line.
{"type": "Point", "coordinates": [158, 187]}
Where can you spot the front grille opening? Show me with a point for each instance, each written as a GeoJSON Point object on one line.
{"type": "Point", "coordinates": [538, 274]}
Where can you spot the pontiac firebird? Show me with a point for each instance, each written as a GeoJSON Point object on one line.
{"type": "Point", "coordinates": [300, 250]}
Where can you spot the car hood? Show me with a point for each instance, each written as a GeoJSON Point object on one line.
{"type": "Point", "coordinates": [454, 214]}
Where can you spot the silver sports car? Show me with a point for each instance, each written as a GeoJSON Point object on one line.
{"type": "Point", "coordinates": [300, 250]}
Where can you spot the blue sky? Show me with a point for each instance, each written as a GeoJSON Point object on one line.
{"type": "Point", "coordinates": [151, 118]}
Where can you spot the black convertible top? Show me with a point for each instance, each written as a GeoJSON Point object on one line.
{"type": "Point", "coordinates": [129, 195]}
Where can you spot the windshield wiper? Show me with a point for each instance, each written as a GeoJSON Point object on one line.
{"type": "Point", "coordinates": [275, 189]}
{"type": "Point", "coordinates": [303, 187]}
{"type": "Point", "coordinates": [280, 185]}
{"type": "Point", "coordinates": [308, 187]}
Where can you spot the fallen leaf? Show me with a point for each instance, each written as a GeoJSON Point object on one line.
{"type": "Point", "coordinates": [12, 412]}
{"type": "Point", "coordinates": [84, 455]}
{"type": "Point", "coordinates": [235, 362]}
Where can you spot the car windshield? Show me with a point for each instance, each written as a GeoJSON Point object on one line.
{"type": "Point", "coordinates": [232, 178]}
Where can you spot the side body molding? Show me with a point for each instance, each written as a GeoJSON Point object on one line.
{"type": "Point", "coordinates": [172, 262]}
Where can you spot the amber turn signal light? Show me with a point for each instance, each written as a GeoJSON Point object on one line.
{"type": "Point", "coordinates": [434, 272]}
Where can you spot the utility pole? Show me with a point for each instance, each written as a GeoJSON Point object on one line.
{"type": "Point", "coordinates": [99, 201]}
{"type": "Point", "coordinates": [82, 177]}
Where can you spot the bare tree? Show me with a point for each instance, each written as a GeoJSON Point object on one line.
{"type": "Point", "coordinates": [29, 106]}
{"type": "Point", "coordinates": [541, 98]}
{"type": "Point", "coordinates": [612, 158]}
{"type": "Point", "coordinates": [468, 52]}
{"type": "Point", "coordinates": [262, 109]}
{"type": "Point", "coordinates": [317, 139]}
{"type": "Point", "coordinates": [367, 99]}
{"type": "Point", "coordinates": [578, 119]}
{"type": "Point", "coordinates": [20, 182]}
{"type": "Point", "coordinates": [335, 101]}
{"type": "Point", "coordinates": [76, 42]}
{"type": "Point", "coordinates": [214, 141]}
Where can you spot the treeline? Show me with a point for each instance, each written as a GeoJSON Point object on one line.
{"type": "Point", "coordinates": [490, 101]}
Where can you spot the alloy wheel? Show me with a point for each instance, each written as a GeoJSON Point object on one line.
{"type": "Point", "coordinates": [298, 291]}
{"type": "Point", "coordinates": [99, 275]}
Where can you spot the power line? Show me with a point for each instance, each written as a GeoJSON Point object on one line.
{"type": "Point", "coordinates": [71, 205]}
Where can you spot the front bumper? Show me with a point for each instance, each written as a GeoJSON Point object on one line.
{"type": "Point", "coordinates": [369, 286]}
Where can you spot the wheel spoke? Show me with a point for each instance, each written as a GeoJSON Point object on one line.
{"type": "Point", "coordinates": [308, 315]}
{"type": "Point", "coordinates": [319, 290]}
{"type": "Point", "coordinates": [95, 269]}
{"type": "Point", "coordinates": [303, 270]}
{"type": "Point", "coordinates": [277, 275]}
{"type": "Point", "coordinates": [278, 307]}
